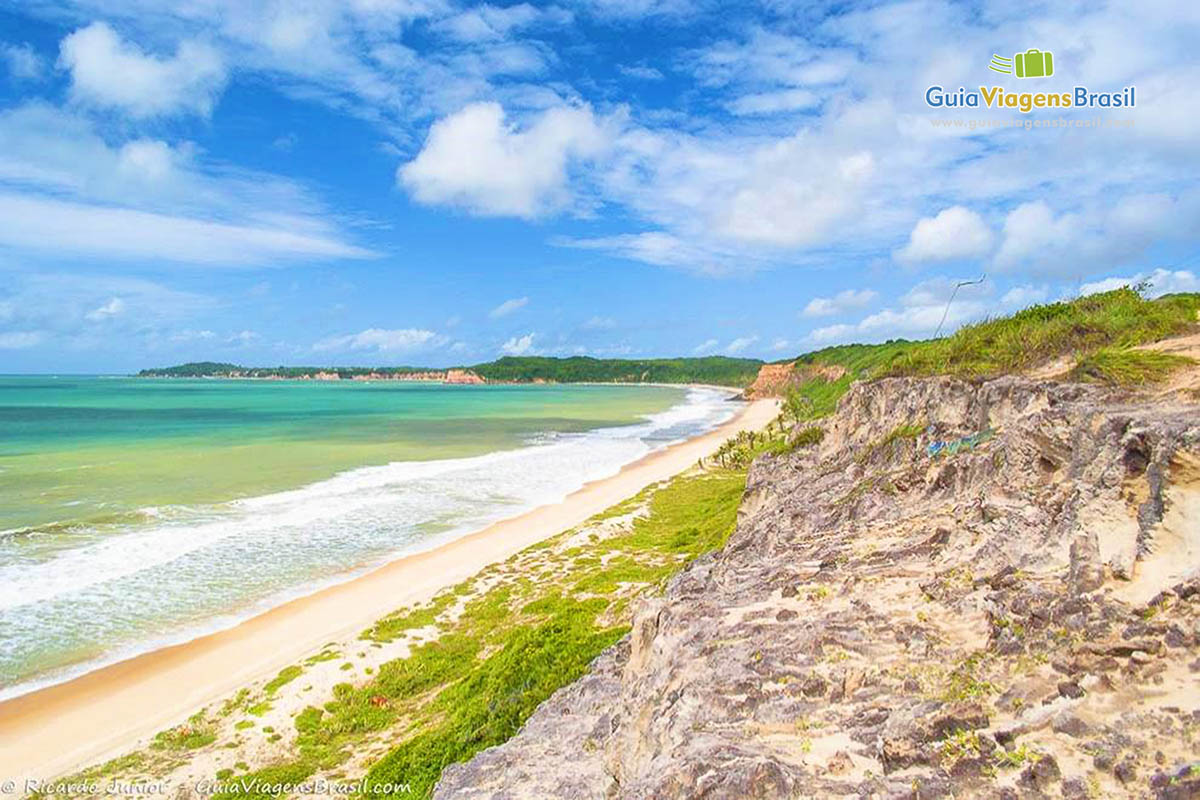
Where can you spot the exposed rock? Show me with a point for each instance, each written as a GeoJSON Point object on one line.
{"type": "Point", "coordinates": [892, 606]}
{"type": "Point", "coordinates": [773, 380]}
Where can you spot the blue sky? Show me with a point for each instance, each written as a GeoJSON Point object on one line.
{"type": "Point", "coordinates": [432, 182]}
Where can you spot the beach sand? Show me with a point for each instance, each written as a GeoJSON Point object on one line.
{"type": "Point", "coordinates": [62, 728]}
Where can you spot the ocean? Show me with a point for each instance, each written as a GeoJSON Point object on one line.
{"type": "Point", "coordinates": [137, 513]}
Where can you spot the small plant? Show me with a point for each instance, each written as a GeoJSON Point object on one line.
{"type": "Point", "coordinates": [959, 745]}
{"type": "Point", "coordinates": [1014, 759]}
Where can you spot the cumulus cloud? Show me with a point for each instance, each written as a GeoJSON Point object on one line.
{"type": "Point", "coordinates": [1095, 237]}
{"type": "Point", "coordinates": [705, 347]}
{"type": "Point", "coordinates": [840, 303]}
{"type": "Point", "coordinates": [380, 340]}
{"type": "Point", "coordinates": [955, 233]}
{"type": "Point", "coordinates": [519, 345]}
{"type": "Point", "coordinates": [109, 72]}
{"type": "Point", "coordinates": [1158, 282]}
{"type": "Point", "coordinates": [476, 160]}
{"type": "Point", "coordinates": [508, 307]}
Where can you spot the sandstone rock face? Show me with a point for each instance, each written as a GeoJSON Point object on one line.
{"type": "Point", "coordinates": [462, 376]}
{"type": "Point", "coordinates": [773, 380]}
{"type": "Point", "coordinates": [1005, 604]}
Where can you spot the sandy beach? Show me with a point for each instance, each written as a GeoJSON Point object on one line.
{"type": "Point", "coordinates": [56, 730]}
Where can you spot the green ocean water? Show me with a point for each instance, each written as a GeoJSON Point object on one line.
{"type": "Point", "coordinates": [135, 513]}
{"type": "Point", "coordinates": [93, 450]}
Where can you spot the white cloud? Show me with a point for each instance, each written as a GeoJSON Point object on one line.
{"type": "Point", "coordinates": [780, 344]}
{"type": "Point", "coordinates": [110, 309]}
{"type": "Point", "coordinates": [64, 227]}
{"type": "Point", "coordinates": [705, 347]}
{"type": "Point", "coordinates": [22, 60]}
{"type": "Point", "coordinates": [519, 345]}
{"type": "Point", "coordinates": [19, 340]}
{"type": "Point", "coordinates": [848, 300]}
{"type": "Point", "coordinates": [739, 344]}
{"type": "Point", "coordinates": [774, 102]}
{"type": "Point", "coordinates": [1095, 237]}
{"type": "Point", "coordinates": [918, 315]}
{"type": "Point", "coordinates": [508, 307]}
{"type": "Point", "coordinates": [1023, 296]}
{"type": "Point", "coordinates": [477, 161]}
{"type": "Point", "coordinates": [73, 193]}
{"type": "Point", "coordinates": [380, 340]}
{"type": "Point", "coordinates": [1161, 281]}
{"type": "Point", "coordinates": [109, 72]}
{"type": "Point", "coordinates": [955, 233]}
{"type": "Point", "coordinates": [493, 23]}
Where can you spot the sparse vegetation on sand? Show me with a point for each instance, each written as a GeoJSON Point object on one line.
{"type": "Point", "coordinates": [481, 656]}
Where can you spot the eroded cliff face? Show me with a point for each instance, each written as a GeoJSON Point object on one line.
{"type": "Point", "coordinates": [964, 590]}
{"type": "Point", "coordinates": [773, 380]}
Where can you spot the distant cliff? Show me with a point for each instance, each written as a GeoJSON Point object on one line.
{"type": "Point", "coordinates": [718, 370]}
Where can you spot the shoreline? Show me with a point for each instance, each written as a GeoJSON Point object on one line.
{"type": "Point", "coordinates": [54, 730]}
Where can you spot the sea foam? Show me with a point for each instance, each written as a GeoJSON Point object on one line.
{"type": "Point", "coordinates": [185, 572]}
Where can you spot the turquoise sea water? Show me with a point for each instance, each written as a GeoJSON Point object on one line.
{"type": "Point", "coordinates": [135, 513]}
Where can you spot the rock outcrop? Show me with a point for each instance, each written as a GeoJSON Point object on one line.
{"type": "Point", "coordinates": [773, 380]}
{"type": "Point", "coordinates": [968, 590]}
{"type": "Point", "coordinates": [462, 376]}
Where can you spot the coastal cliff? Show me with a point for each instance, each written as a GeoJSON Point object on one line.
{"type": "Point", "coordinates": [962, 589]}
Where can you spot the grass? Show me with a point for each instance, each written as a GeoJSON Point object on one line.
{"type": "Point", "coordinates": [1128, 368]}
{"type": "Point", "coordinates": [1097, 330]}
{"type": "Point", "coordinates": [1120, 319]}
{"type": "Point", "coordinates": [505, 648]}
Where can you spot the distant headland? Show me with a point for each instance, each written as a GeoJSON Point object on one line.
{"type": "Point", "coordinates": [716, 370]}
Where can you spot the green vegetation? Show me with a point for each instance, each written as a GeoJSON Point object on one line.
{"type": "Point", "coordinates": [506, 640]}
{"type": "Point", "coordinates": [718, 370]}
{"type": "Point", "coordinates": [1129, 368]}
{"type": "Point", "coordinates": [739, 451]}
{"type": "Point", "coordinates": [285, 676]}
{"type": "Point", "coordinates": [217, 369]}
{"type": "Point", "coordinates": [1117, 319]}
{"type": "Point", "coordinates": [1097, 330]}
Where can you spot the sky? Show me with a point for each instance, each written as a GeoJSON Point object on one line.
{"type": "Point", "coordinates": [434, 182]}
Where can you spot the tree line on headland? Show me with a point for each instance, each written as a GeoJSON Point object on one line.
{"type": "Point", "coordinates": [718, 370]}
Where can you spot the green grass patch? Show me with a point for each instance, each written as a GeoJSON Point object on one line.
{"type": "Point", "coordinates": [511, 646]}
{"type": "Point", "coordinates": [1117, 319]}
{"type": "Point", "coordinates": [1128, 368]}
{"type": "Point", "coordinates": [285, 676]}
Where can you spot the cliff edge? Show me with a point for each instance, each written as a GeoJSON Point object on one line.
{"type": "Point", "coordinates": [964, 589]}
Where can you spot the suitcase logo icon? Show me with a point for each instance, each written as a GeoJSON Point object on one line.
{"type": "Point", "coordinates": [1033, 63]}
